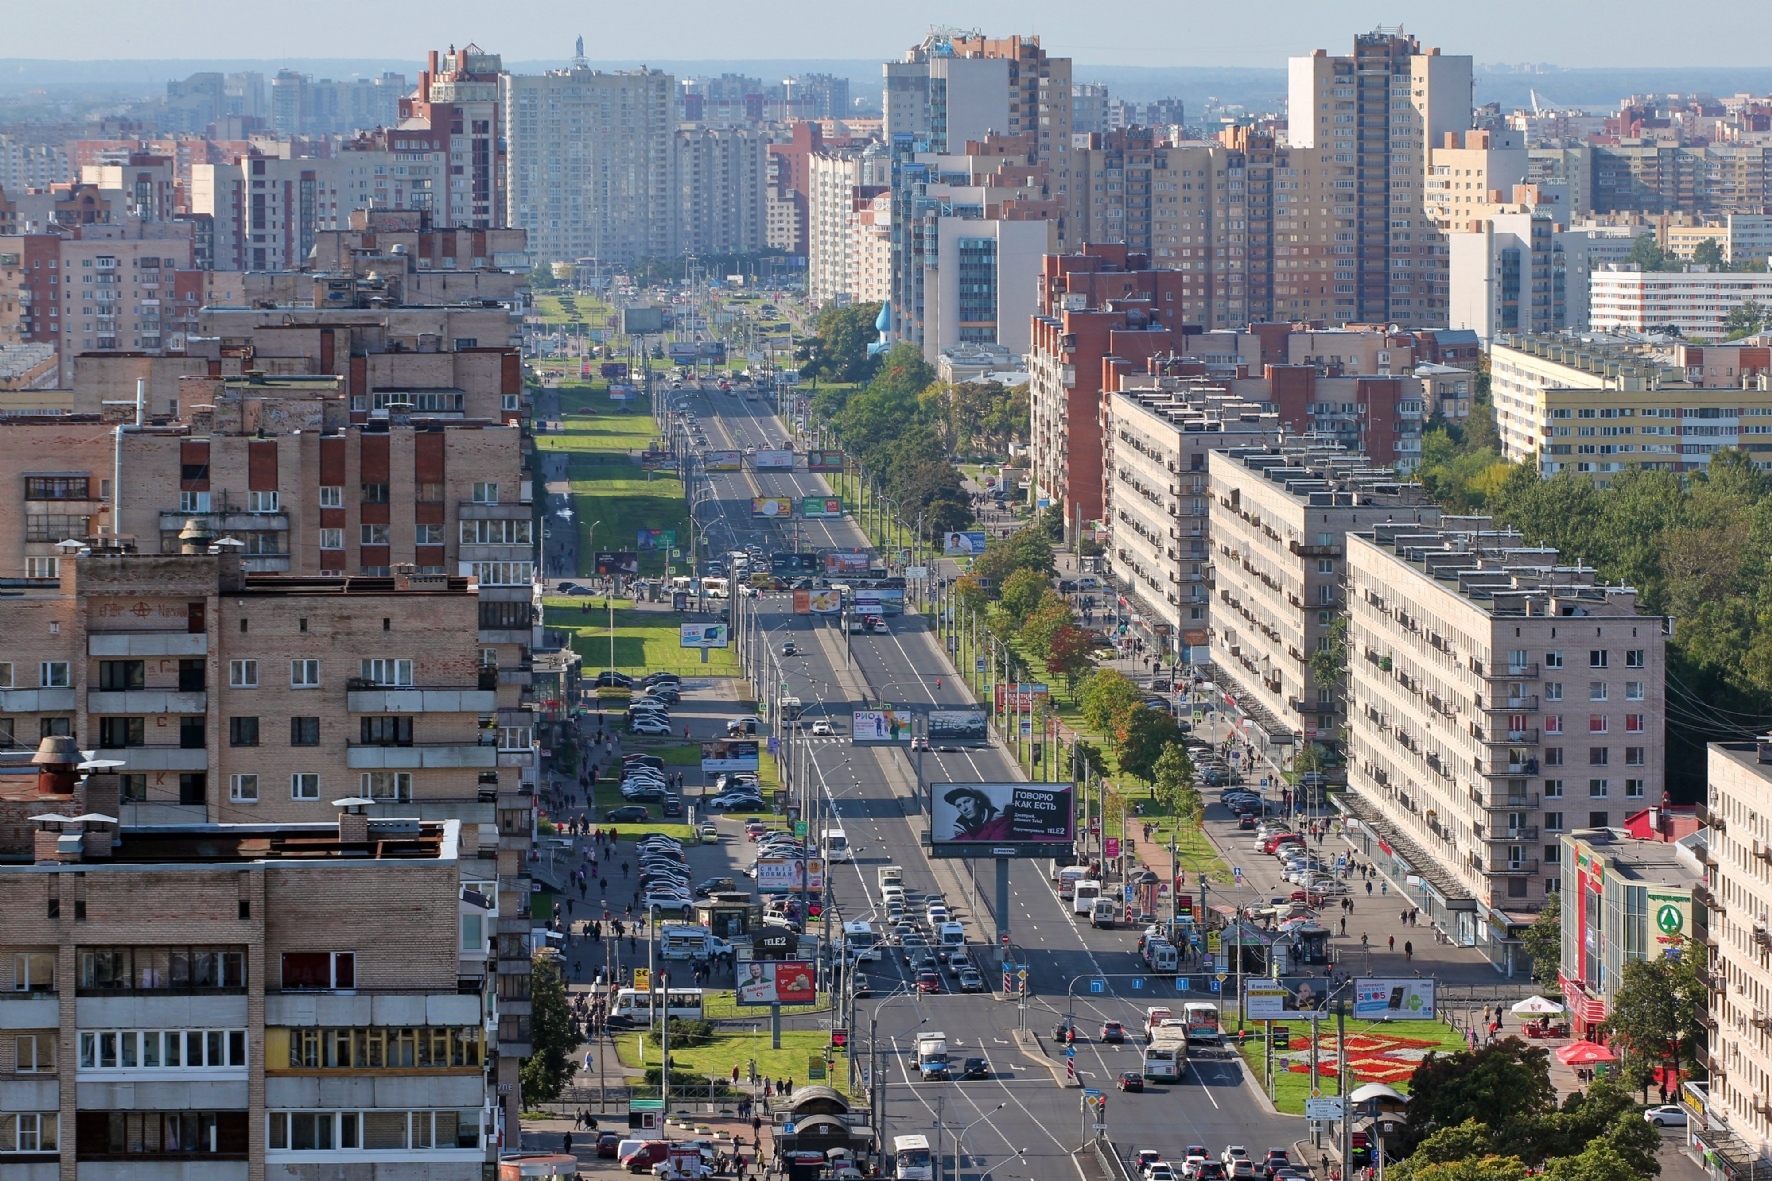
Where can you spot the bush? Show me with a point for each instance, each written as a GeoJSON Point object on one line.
{"type": "Point", "coordinates": [690, 1033]}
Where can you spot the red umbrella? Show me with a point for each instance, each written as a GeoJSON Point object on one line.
{"type": "Point", "coordinates": [1585, 1054]}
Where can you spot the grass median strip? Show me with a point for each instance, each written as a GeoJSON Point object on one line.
{"type": "Point", "coordinates": [645, 641]}
{"type": "Point", "coordinates": [743, 1048]}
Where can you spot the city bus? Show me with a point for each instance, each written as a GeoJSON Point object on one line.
{"type": "Point", "coordinates": [836, 845]}
{"type": "Point", "coordinates": [716, 588]}
{"type": "Point", "coordinates": [861, 941]}
{"type": "Point", "coordinates": [1202, 1021]}
{"type": "Point", "coordinates": [635, 1006]}
{"type": "Point", "coordinates": [910, 1158]}
{"type": "Point", "coordinates": [1166, 1055]}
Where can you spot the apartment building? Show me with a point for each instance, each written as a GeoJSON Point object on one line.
{"type": "Point", "coordinates": [459, 95]}
{"type": "Point", "coordinates": [848, 229]}
{"type": "Point", "coordinates": [1159, 432]}
{"type": "Point", "coordinates": [1622, 900]}
{"type": "Point", "coordinates": [590, 163]}
{"type": "Point", "coordinates": [1514, 270]}
{"type": "Point", "coordinates": [1470, 654]}
{"type": "Point", "coordinates": [722, 182]}
{"type": "Point", "coordinates": [271, 1021]}
{"type": "Point", "coordinates": [1278, 516]}
{"type": "Point", "coordinates": [1372, 116]}
{"type": "Point", "coordinates": [1737, 902]}
{"type": "Point", "coordinates": [1596, 408]}
{"type": "Point", "coordinates": [32, 166]}
{"type": "Point", "coordinates": [949, 89]}
{"type": "Point", "coordinates": [302, 104]}
{"type": "Point", "coordinates": [1623, 297]}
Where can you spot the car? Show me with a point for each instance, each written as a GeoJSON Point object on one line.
{"type": "Point", "coordinates": [880, 627]}
{"type": "Point", "coordinates": [1210, 1170]}
{"type": "Point", "coordinates": [656, 727]}
{"type": "Point", "coordinates": [609, 679]}
{"type": "Point", "coordinates": [1232, 1154]}
{"type": "Point", "coordinates": [1275, 1160]}
{"type": "Point", "coordinates": [632, 814]}
{"type": "Point", "coordinates": [1144, 1158]}
{"type": "Point", "coordinates": [714, 885]}
{"type": "Point", "coordinates": [1243, 1169]}
{"type": "Point", "coordinates": [1246, 821]}
{"type": "Point", "coordinates": [607, 1143]}
{"type": "Point", "coordinates": [652, 761]}
{"type": "Point", "coordinates": [641, 1159]}
{"type": "Point", "coordinates": [727, 780]}
{"type": "Point", "coordinates": [1130, 1080]}
{"type": "Point", "coordinates": [929, 980]}
{"type": "Point", "coordinates": [734, 801]}
{"type": "Point", "coordinates": [744, 725]}
{"type": "Point", "coordinates": [708, 831]}
{"type": "Point", "coordinates": [790, 649]}
{"type": "Point", "coordinates": [919, 743]}
{"type": "Point", "coordinates": [975, 1068]}
{"type": "Point", "coordinates": [822, 729]}
{"type": "Point", "coordinates": [672, 806]}
{"type": "Point", "coordinates": [1161, 1171]}
{"type": "Point", "coordinates": [661, 679]}
{"type": "Point", "coordinates": [970, 980]}
{"type": "Point", "coordinates": [1670, 1116]}
{"type": "Point", "coordinates": [1113, 1032]}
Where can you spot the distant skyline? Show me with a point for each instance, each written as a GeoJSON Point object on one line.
{"type": "Point", "coordinates": [1632, 33]}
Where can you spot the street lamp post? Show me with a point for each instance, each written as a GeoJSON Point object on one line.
{"type": "Point", "coordinates": [876, 1087]}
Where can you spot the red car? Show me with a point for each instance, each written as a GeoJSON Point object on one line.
{"type": "Point", "coordinates": [607, 1143]}
{"type": "Point", "coordinates": [928, 981]}
{"type": "Point", "coordinates": [1281, 838]}
{"type": "Point", "coordinates": [644, 1157]}
{"type": "Point", "coordinates": [1130, 1080]}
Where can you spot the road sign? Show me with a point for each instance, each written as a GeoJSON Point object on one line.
{"type": "Point", "coordinates": [978, 664]}
{"type": "Point", "coordinates": [1138, 982]}
{"type": "Point", "coordinates": [1221, 977]}
{"type": "Point", "coordinates": [1218, 984]}
{"type": "Point", "coordinates": [1323, 1109]}
{"type": "Point", "coordinates": [1183, 984]}
{"type": "Point", "coordinates": [1237, 874]}
{"type": "Point", "coordinates": [1070, 1051]}
{"type": "Point", "coordinates": [1098, 986]}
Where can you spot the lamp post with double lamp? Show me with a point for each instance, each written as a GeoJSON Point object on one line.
{"type": "Point", "coordinates": [960, 1138]}
{"type": "Point", "coordinates": [821, 841]}
{"type": "Point", "coordinates": [876, 1084]}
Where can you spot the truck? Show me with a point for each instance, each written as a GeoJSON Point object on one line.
{"type": "Point", "coordinates": [683, 943]}
{"type": "Point", "coordinates": [1101, 914]}
{"type": "Point", "coordinates": [932, 1055]}
{"type": "Point", "coordinates": [890, 875]}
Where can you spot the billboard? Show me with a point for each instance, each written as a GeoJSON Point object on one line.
{"type": "Point", "coordinates": [881, 725]}
{"type": "Point", "coordinates": [824, 461]}
{"type": "Point", "coordinates": [957, 723]}
{"type": "Point", "coordinates": [777, 982]}
{"type": "Point", "coordinates": [1019, 697]}
{"type": "Point", "coordinates": [788, 565]}
{"type": "Point", "coordinates": [704, 635]}
{"type": "Point", "coordinates": [638, 321]}
{"type": "Point", "coordinates": [817, 602]}
{"type": "Point", "coordinates": [617, 562]}
{"type": "Point", "coordinates": [821, 506]}
{"type": "Point", "coordinates": [652, 459]}
{"type": "Point", "coordinates": [785, 875]}
{"type": "Point", "coordinates": [1274, 1000]}
{"type": "Point", "coordinates": [723, 461]}
{"type": "Point", "coordinates": [729, 754]}
{"type": "Point", "coordinates": [764, 461]}
{"type": "Point", "coordinates": [772, 506]}
{"type": "Point", "coordinates": [1001, 819]}
{"type": "Point", "coordinates": [885, 600]}
{"type": "Point", "coordinates": [655, 539]}
{"type": "Point", "coordinates": [961, 544]}
{"type": "Point", "coordinates": [1412, 1000]}
{"type": "Point", "coordinates": [837, 562]}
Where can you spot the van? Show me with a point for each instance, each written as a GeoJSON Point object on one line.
{"type": "Point", "coordinates": [890, 875]}
{"type": "Point", "coordinates": [1083, 896]}
{"type": "Point", "coordinates": [836, 845]}
{"type": "Point", "coordinates": [950, 935]}
{"type": "Point", "coordinates": [1102, 913]}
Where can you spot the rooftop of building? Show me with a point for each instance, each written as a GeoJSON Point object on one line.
{"type": "Point", "coordinates": [1497, 571]}
{"type": "Point", "coordinates": [1193, 405]}
{"type": "Point", "coordinates": [94, 841]}
{"type": "Point", "coordinates": [1648, 862]}
{"type": "Point", "coordinates": [1755, 757]}
{"type": "Point", "coordinates": [1328, 475]}
{"type": "Point", "coordinates": [1613, 358]}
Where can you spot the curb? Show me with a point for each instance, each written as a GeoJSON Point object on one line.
{"type": "Point", "coordinates": [1037, 1053]}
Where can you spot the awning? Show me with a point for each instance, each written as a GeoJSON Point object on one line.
{"type": "Point", "coordinates": [1585, 1054]}
{"type": "Point", "coordinates": [1537, 1006]}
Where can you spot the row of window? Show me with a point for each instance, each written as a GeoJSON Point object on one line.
{"type": "Point", "coordinates": [124, 675]}
{"type": "Point", "coordinates": [29, 1131]}
{"type": "Point", "coordinates": [344, 1131]}
{"type": "Point", "coordinates": [148, 969]}
{"type": "Point", "coordinates": [376, 1048]}
{"type": "Point", "coordinates": [1597, 789]}
{"type": "Point", "coordinates": [162, 1049]}
{"type": "Point", "coordinates": [331, 495]}
{"type": "Point", "coordinates": [1597, 756]}
{"type": "Point", "coordinates": [99, 1134]}
{"type": "Point", "coordinates": [1596, 691]}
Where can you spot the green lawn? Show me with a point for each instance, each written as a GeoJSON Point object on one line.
{"type": "Point", "coordinates": [740, 1048]}
{"type": "Point", "coordinates": [1291, 1088]}
{"type": "Point", "coordinates": [645, 641]}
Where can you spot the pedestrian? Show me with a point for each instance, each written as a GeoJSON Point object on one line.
{"type": "Point", "coordinates": [1368, 885]}
{"type": "Point", "coordinates": [1384, 887]}
{"type": "Point", "coordinates": [566, 1143]}
{"type": "Point", "coordinates": [1408, 950]}
{"type": "Point", "coordinates": [1391, 943]}
{"type": "Point", "coordinates": [1344, 924]}
{"type": "Point", "coordinates": [1363, 939]}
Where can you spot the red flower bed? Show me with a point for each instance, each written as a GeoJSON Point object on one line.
{"type": "Point", "coordinates": [1372, 1057]}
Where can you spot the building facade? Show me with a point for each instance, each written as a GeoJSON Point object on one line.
{"type": "Point", "coordinates": [1695, 302]}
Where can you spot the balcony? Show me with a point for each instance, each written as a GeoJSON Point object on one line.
{"type": "Point", "coordinates": [1522, 867]}
{"type": "Point", "coordinates": [357, 1007]}
{"type": "Point", "coordinates": [418, 699]}
{"type": "Point", "coordinates": [1514, 802]}
{"type": "Point", "coordinates": [1524, 832]}
{"type": "Point", "coordinates": [170, 757]}
{"type": "Point", "coordinates": [147, 701]}
{"type": "Point", "coordinates": [1508, 705]}
{"type": "Point", "coordinates": [29, 1010]}
{"type": "Point", "coordinates": [420, 756]}
{"type": "Point", "coordinates": [226, 519]}
{"type": "Point", "coordinates": [31, 701]}
{"type": "Point", "coordinates": [1314, 551]}
{"type": "Point", "coordinates": [147, 643]}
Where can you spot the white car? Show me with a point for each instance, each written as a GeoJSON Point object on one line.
{"type": "Point", "coordinates": [822, 728]}
{"type": "Point", "coordinates": [652, 726]}
{"type": "Point", "coordinates": [1670, 1116]}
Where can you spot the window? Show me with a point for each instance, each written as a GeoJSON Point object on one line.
{"type": "Point", "coordinates": [193, 676]}
{"type": "Point", "coordinates": [1597, 690]}
{"type": "Point", "coordinates": [132, 789]}
{"type": "Point", "coordinates": [29, 1131]}
{"type": "Point", "coordinates": [193, 788]}
{"type": "Point", "coordinates": [1633, 690]}
{"type": "Point", "coordinates": [382, 1047]}
{"type": "Point", "coordinates": [304, 731]}
{"type": "Point", "coordinates": [165, 968]}
{"type": "Point", "coordinates": [193, 732]}
{"type": "Point", "coordinates": [242, 731]}
{"type": "Point", "coordinates": [473, 932]}
{"type": "Point", "coordinates": [1633, 789]}
{"type": "Point", "coordinates": [485, 493]}
{"type": "Point", "coordinates": [6, 674]}
{"type": "Point", "coordinates": [160, 1049]}
{"type": "Point", "coordinates": [243, 789]}
{"type": "Point", "coordinates": [332, 539]}
{"type": "Point", "coordinates": [1633, 658]}
{"type": "Point", "coordinates": [319, 969]}
{"type": "Point", "coordinates": [332, 496]}
{"type": "Point", "coordinates": [1553, 822]}
{"type": "Point", "coordinates": [33, 971]}
{"type": "Point", "coordinates": [1633, 756]}
{"type": "Point", "coordinates": [1598, 819]}
{"type": "Point", "coordinates": [1553, 660]}
{"type": "Point", "coordinates": [375, 494]}
{"type": "Point", "coordinates": [193, 502]}
{"type": "Point", "coordinates": [1553, 756]}
{"type": "Point", "coordinates": [117, 733]}
{"type": "Point", "coordinates": [243, 674]}
{"type": "Point", "coordinates": [55, 727]}
{"type": "Point", "coordinates": [304, 674]}
{"type": "Point", "coordinates": [116, 676]}
{"type": "Point", "coordinates": [386, 730]}
{"type": "Point", "coordinates": [429, 492]}
{"type": "Point", "coordinates": [427, 535]}
{"type": "Point", "coordinates": [1553, 690]}
{"type": "Point", "coordinates": [1598, 788]}
{"type": "Point", "coordinates": [1633, 723]}
{"type": "Point", "coordinates": [374, 534]}
{"type": "Point", "coordinates": [523, 573]}
{"type": "Point", "coordinates": [1553, 789]}
{"type": "Point", "coordinates": [1597, 658]}
{"type": "Point", "coordinates": [53, 674]}
{"type": "Point", "coordinates": [105, 1135]}
{"type": "Point", "coordinates": [513, 737]}
{"type": "Point", "coordinates": [262, 502]}
{"type": "Point", "coordinates": [1599, 756]}
{"type": "Point", "coordinates": [1553, 723]}
{"type": "Point", "coordinates": [394, 672]}
{"type": "Point", "coordinates": [495, 533]}
{"type": "Point", "coordinates": [395, 786]}
{"type": "Point", "coordinates": [58, 488]}
{"type": "Point", "coordinates": [502, 616]}
{"type": "Point", "coordinates": [56, 526]}
{"type": "Point", "coordinates": [34, 1053]}
{"type": "Point", "coordinates": [304, 785]}
{"type": "Point", "coordinates": [1598, 724]}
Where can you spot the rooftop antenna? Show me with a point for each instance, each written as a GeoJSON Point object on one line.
{"type": "Point", "coordinates": [579, 61]}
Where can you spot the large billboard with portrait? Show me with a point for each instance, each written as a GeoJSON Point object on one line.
{"type": "Point", "coordinates": [881, 725]}
{"type": "Point", "coordinates": [607, 562]}
{"type": "Point", "coordinates": [789, 875]}
{"type": "Point", "coordinates": [729, 754]}
{"type": "Point", "coordinates": [777, 982]}
{"type": "Point", "coordinates": [1001, 819]}
{"type": "Point", "coordinates": [824, 461]}
{"type": "Point", "coordinates": [963, 544]}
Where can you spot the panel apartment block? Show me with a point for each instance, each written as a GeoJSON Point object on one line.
{"type": "Point", "coordinates": [1498, 697]}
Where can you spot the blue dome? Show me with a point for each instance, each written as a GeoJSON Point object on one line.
{"type": "Point", "coordinates": [883, 321]}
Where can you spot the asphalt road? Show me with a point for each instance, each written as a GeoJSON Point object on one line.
{"type": "Point", "coordinates": [1022, 1107]}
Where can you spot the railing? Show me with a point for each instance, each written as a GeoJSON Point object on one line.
{"type": "Point", "coordinates": [1505, 705]}
{"type": "Point", "coordinates": [1525, 865]}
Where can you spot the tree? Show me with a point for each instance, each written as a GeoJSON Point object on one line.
{"type": "Point", "coordinates": [1052, 613]}
{"type": "Point", "coordinates": [1019, 594]}
{"type": "Point", "coordinates": [1543, 940]}
{"type": "Point", "coordinates": [542, 277]}
{"type": "Point", "coordinates": [1144, 734]}
{"type": "Point", "coordinates": [1173, 780]}
{"type": "Point", "coordinates": [553, 1034]}
{"type": "Point", "coordinates": [1072, 654]}
{"type": "Point", "coordinates": [1448, 1089]}
{"type": "Point", "coordinates": [838, 350]}
{"type": "Point", "coordinates": [1655, 1012]}
{"type": "Point", "coordinates": [1089, 756]}
{"type": "Point", "coordinates": [1107, 694]}
{"type": "Point", "coordinates": [1469, 1140]}
{"type": "Point", "coordinates": [968, 593]}
{"type": "Point", "coordinates": [1328, 664]}
{"type": "Point", "coordinates": [1709, 253]}
{"type": "Point", "coordinates": [1744, 319]}
{"type": "Point", "coordinates": [1481, 1168]}
{"type": "Point", "coordinates": [1600, 1161]}
{"type": "Point", "coordinates": [1647, 253]}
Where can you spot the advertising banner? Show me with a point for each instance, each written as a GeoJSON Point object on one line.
{"type": "Point", "coordinates": [879, 601]}
{"type": "Point", "coordinates": [723, 461]}
{"type": "Point", "coordinates": [1019, 697]}
{"type": "Point", "coordinates": [1001, 819]}
{"type": "Point", "coordinates": [837, 562]}
{"type": "Point", "coordinates": [652, 460]}
{"type": "Point", "coordinates": [704, 635]}
{"type": "Point", "coordinates": [787, 565]}
{"type": "Point", "coordinates": [881, 725]}
{"type": "Point", "coordinates": [655, 539]}
{"type": "Point", "coordinates": [817, 602]}
{"type": "Point", "coordinates": [772, 506]}
{"type": "Point", "coordinates": [729, 754]}
{"type": "Point", "coordinates": [616, 562]}
{"type": "Point", "coordinates": [785, 875]}
{"type": "Point", "coordinates": [964, 724]}
{"type": "Point", "coordinates": [967, 544]}
{"type": "Point", "coordinates": [821, 506]}
{"type": "Point", "coordinates": [1275, 1000]}
{"type": "Point", "coordinates": [777, 982]}
{"type": "Point", "coordinates": [765, 461]}
{"type": "Point", "coordinates": [824, 461]}
{"type": "Point", "coordinates": [1411, 1000]}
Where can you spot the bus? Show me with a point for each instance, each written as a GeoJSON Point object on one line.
{"type": "Point", "coordinates": [861, 941]}
{"type": "Point", "coordinates": [1083, 896]}
{"type": "Point", "coordinates": [716, 588]}
{"type": "Point", "coordinates": [910, 1158]}
{"type": "Point", "coordinates": [836, 845]}
{"type": "Point", "coordinates": [1068, 877]}
{"type": "Point", "coordinates": [1166, 1055]}
{"type": "Point", "coordinates": [1202, 1021]}
{"type": "Point", "coordinates": [635, 1006]}
{"type": "Point", "coordinates": [790, 709]}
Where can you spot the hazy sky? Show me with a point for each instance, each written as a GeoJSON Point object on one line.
{"type": "Point", "coordinates": [1163, 33]}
